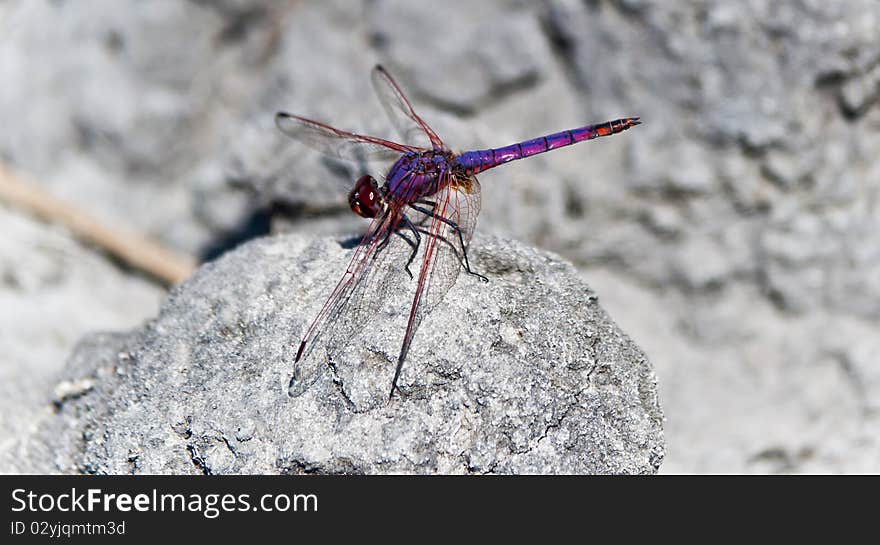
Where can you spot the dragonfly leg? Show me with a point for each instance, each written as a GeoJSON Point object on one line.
{"type": "Point", "coordinates": [455, 251]}
{"type": "Point", "coordinates": [432, 213]}
{"type": "Point", "coordinates": [415, 245]}
{"type": "Point", "coordinates": [418, 243]}
{"type": "Point", "coordinates": [383, 244]}
{"type": "Point", "coordinates": [419, 229]}
{"type": "Point", "coordinates": [426, 216]}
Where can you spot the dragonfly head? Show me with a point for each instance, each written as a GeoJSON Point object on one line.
{"type": "Point", "coordinates": [365, 198]}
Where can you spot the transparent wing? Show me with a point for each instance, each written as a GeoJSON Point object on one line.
{"type": "Point", "coordinates": [375, 275]}
{"type": "Point", "coordinates": [408, 123]}
{"type": "Point", "coordinates": [448, 234]}
{"type": "Point", "coordinates": [338, 143]}
{"type": "Point", "coordinates": [459, 204]}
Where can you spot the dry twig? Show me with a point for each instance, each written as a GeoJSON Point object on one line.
{"type": "Point", "coordinates": [138, 252]}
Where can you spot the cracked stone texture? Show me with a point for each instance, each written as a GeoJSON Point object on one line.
{"type": "Point", "coordinates": [732, 234]}
{"type": "Point", "coordinates": [525, 374]}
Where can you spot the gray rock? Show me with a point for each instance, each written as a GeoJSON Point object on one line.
{"type": "Point", "coordinates": [146, 99]}
{"type": "Point", "coordinates": [52, 292]}
{"type": "Point", "coordinates": [525, 374]}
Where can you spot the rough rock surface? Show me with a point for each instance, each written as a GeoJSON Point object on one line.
{"type": "Point", "coordinates": [732, 234]}
{"type": "Point", "coordinates": [52, 292]}
{"type": "Point", "coordinates": [526, 374]}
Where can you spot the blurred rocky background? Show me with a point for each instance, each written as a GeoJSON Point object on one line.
{"type": "Point", "coordinates": [732, 235]}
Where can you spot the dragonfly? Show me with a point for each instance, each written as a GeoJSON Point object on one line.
{"type": "Point", "coordinates": [427, 205]}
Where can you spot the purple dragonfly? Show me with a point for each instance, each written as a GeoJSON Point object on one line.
{"type": "Point", "coordinates": [427, 204]}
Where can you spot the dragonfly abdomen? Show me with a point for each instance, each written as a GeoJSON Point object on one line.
{"type": "Point", "coordinates": [477, 161]}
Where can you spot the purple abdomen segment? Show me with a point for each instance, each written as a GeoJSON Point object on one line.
{"type": "Point", "coordinates": [477, 161]}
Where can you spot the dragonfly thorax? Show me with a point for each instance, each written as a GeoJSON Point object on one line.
{"type": "Point", "coordinates": [416, 175]}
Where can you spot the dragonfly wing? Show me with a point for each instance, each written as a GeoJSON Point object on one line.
{"type": "Point", "coordinates": [375, 275]}
{"type": "Point", "coordinates": [338, 143]}
{"type": "Point", "coordinates": [455, 212]}
{"type": "Point", "coordinates": [408, 123]}
{"type": "Point", "coordinates": [458, 203]}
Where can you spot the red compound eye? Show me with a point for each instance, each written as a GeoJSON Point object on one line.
{"type": "Point", "coordinates": [364, 198]}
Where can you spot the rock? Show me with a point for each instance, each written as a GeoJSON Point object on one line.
{"type": "Point", "coordinates": [147, 98]}
{"type": "Point", "coordinates": [860, 93]}
{"type": "Point", "coordinates": [497, 51]}
{"type": "Point", "coordinates": [52, 292]}
{"type": "Point", "coordinates": [525, 374]}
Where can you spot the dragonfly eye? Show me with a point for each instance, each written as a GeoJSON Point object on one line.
{"type": "Point", "coordinates": [365, 199]}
